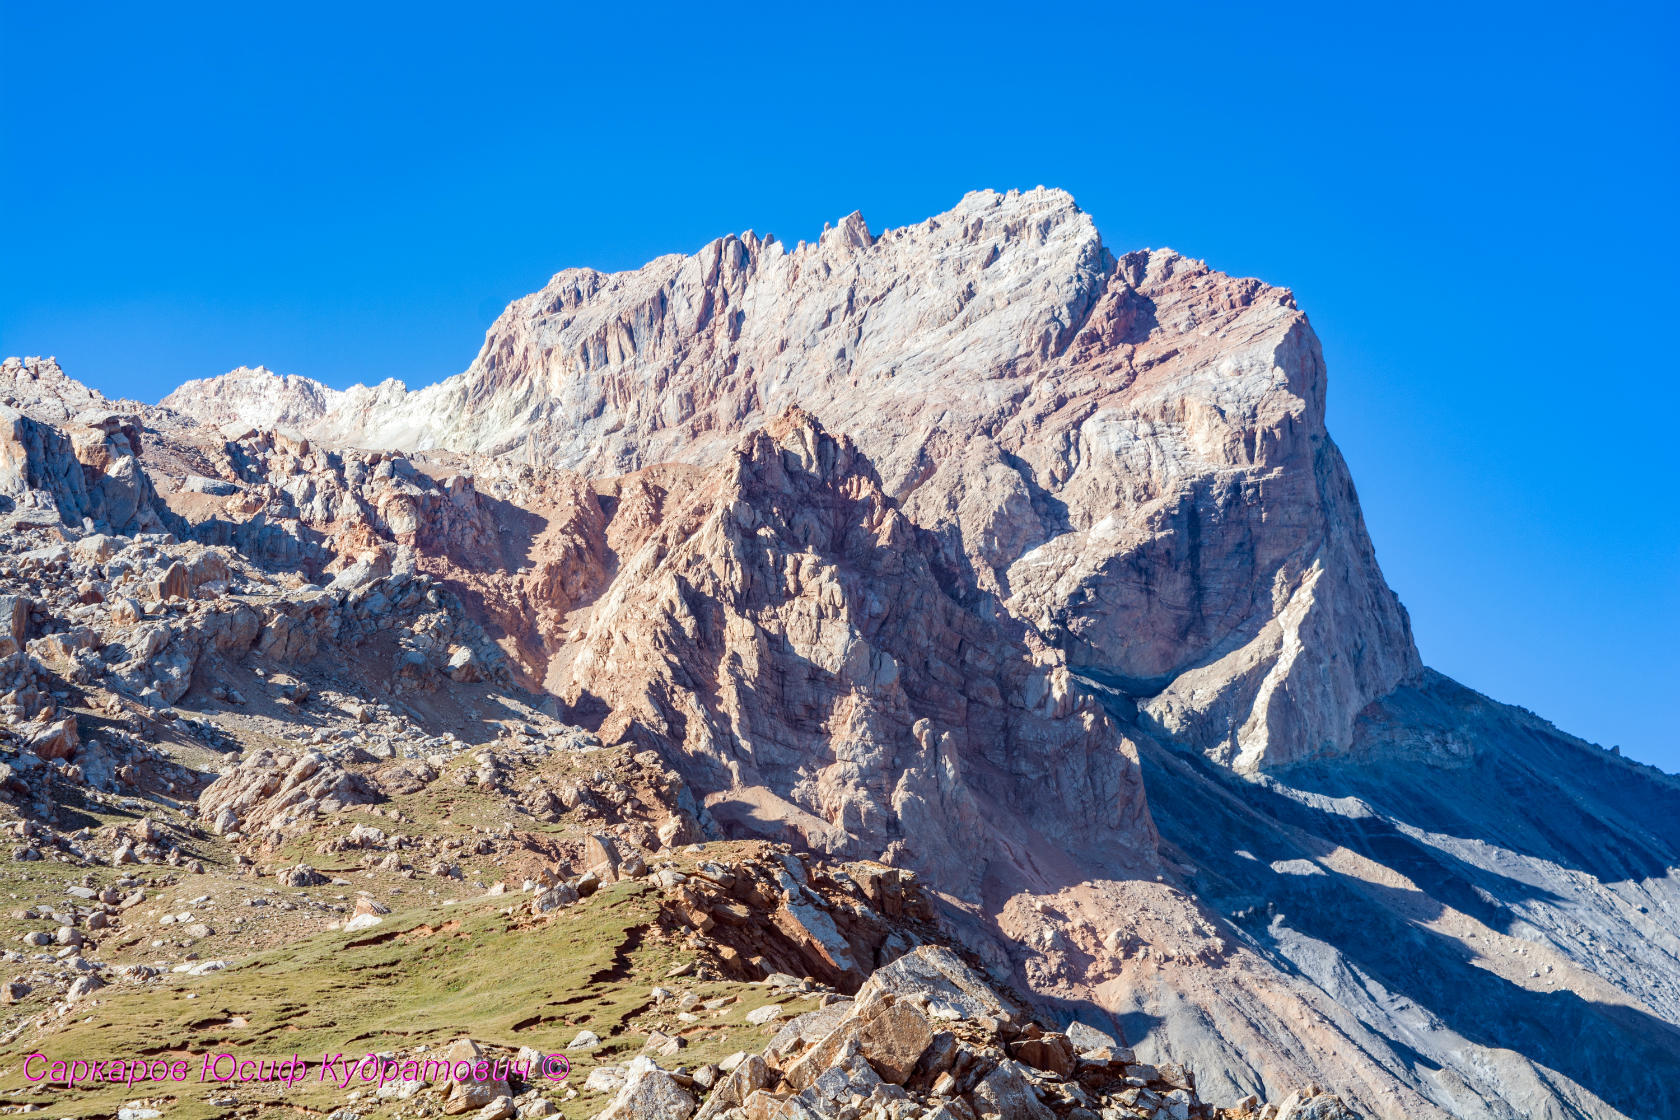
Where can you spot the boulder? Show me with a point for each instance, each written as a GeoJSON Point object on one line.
{"type": "Point", "coordinates": [893, 1040]}
{"type": "Point", "coordinates": [649, 1093]}
{"type": "Point", "coordinates": [758, 1016]}
{"type": "Point", "coordinates": [469, 1096]}
{"type": "Point", "coordinates": [1089, 1040]}
{"type": "Point", "coordinates": [84, 986]}
{"type": "Point", "coordinates": [464, 666]}
{"type": "Point", "coordinates": [552, 898]}
{"type": "Point", "coordinates": [604, 1079]}
{"type": "Point", "coordinates": [14, 619]}
{"type": "Point", "coordinates": [848, 1082]}
{"type": "Point", "coordinates": [1007, 1093]}
{"type": "Point", "coordinates": [749, 1075]}
{"type": "Point", "coordinates": [52, 739]}
{"type": "Point", "coordinates": [1050, 1052]}
{"type": "Point", "coordinates": [952, 989]}
{"type": "Point", "coordinates": [1312, 1104]}
{"type": "Point", "coordinates": [601, 856]}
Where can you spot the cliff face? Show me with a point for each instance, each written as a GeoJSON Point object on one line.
{"type": "Point", "coordinates": [1129, 453]}
{"type": "Point", "coordinates": [798, 639]}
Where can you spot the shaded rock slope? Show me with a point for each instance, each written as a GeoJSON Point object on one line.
{"type": "Point", "coordinates": [970, 550]}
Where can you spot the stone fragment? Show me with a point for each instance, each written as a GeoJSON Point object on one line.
{"type": "Point", "coordinates": [893, 1040]}
{"type": "Point", "coordinates": [649, 1093]}
{"type": "Point", "coordinates": [1007, 1093]}
{"type": "Point", "coordinates": [1051, 1052]}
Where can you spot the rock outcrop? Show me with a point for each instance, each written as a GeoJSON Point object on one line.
{"type": "Point", "coordinates": [802, 646]}
{"type": "Point", "coordinates": [88, 478]}
{"type": "Point", "coordinates": [926, 1036]}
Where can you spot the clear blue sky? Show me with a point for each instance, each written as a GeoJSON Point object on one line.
{"type": "Point", "coordinates": [1475, 204]}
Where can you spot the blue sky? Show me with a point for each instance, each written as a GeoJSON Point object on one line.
{"type": "Point", "coordinates": [1474, 203]}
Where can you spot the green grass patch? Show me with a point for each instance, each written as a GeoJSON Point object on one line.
{"type": "Point", "coordinates": [421, 976]}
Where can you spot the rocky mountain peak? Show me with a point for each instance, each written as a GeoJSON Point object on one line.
{"type": "Point", "coordinates": [1106, 443]}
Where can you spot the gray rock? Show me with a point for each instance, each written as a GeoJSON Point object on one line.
{"type": "Point", "coordinates": [649, 1093]}
{"type": "Point", "coordinates": [604, 1079]}
{"type": "Point", "coordinates": [199, 484]}
{"type": "Point", "coordinates": [84, 986]}
{"type": "Point", "coordinates": [1006, 1093]}
{"type": "Point", "coordinates": [750, 1073]}
{"type": "Point", "coordinates": [952, 989]}
{"type": "Point", "coordinates": [1088, 1039]}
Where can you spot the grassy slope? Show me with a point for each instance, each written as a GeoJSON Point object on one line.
{"type": "Point", "coordinates": [392, 987]}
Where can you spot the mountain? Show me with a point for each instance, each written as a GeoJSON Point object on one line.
{"type": "Point", "coordinates": [974, 550]}
{"type": "Point", "coordinates": [1128, 453]}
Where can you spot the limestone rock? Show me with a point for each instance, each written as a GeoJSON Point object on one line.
{"type": "Point", "coordinates": [1051, 1052]}
{"type": "Point", "coordinates": [925, 550]}
{"type": "Point", "coordinates": [649, 1093]}
{"type": "Point", "coordinates": [749, 1075]}
{"type": "Point", "coordinates": [859, 700]}
{"type": "Point", "coordinates": [936, 975]}
{"type": "Point", "coordinates": [470, 1095]}
{"type": "Point", "coordinates": [1007, 1094]}
{"type": "Point", "coordinates": [273, 790]}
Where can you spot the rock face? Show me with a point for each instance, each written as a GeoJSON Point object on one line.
{"type": "Point", "coordinates": [1129, 452]}
{"type": "Point", "coordinates": [803, 646]}
{"type": "Point", "coordinates": [88, 476]}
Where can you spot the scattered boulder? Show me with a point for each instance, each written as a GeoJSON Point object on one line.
{"type": "Point", "coordinates": [84, 986]}
{"type": "Point", "coordinates": [1050, 1052]}
{"type": "Point", "coordinates": [52, 739]}
{"type": "Point", "coordinates": [470, 1096]}
{"type": "Point", "coordinates": [1313, 1104]}
{"type": "Point", "coordinates": [758, 1016]}
{"type": "Point", "coordinates": [649, 1093]}
{"type": "Point", "coordinates": [464, 666]}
